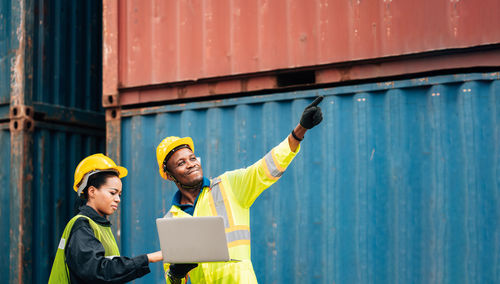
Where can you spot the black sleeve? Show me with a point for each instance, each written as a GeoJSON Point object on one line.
{"type": "Point", "coordinates": [85, 258]}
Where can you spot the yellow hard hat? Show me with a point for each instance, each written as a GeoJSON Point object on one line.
{"type": "Point", "coordinates": [167, 145]}
{"type": "Point", "coordinates": [93, 164]}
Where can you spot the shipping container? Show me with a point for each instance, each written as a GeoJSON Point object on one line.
{"type": "Point", "coordinates": [5, 60]}
{"type": "Point", "coordinates": [5, 198]}
{"type": "Point", "coordinates": [158, 51]}
{"type": "Point", "coordinates": [51, 117]}
{"type": "Point", "coordinates": [398, 184]}
{"type": "Point", "coordinates": [67, 56]}
{"type": "Point", "coordinates": [57, 150]}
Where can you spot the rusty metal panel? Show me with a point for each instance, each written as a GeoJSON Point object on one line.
{"type": "Point", "coordinates": [177, 41]}
{"type": "Point", "coordinates": [399, 184]}
{"type": "Point", "coordinates": [17, 51]}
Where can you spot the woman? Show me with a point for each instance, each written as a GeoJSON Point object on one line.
{"type": "Point", "coordinates": [88, 252]}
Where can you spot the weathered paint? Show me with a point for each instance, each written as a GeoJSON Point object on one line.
{"type": "Point", "coordinates": [113, 146]}
{"type": "Point", "coordinates": [5, 198]}
{"type": "Point", "coordinates": [57, 150]}
{"type": "Point", "coordinates": [5, 51]}
{"type": "Point", "coordinates": [182, 42]}
{"type": "Point", "coordinates": [67, 46]}
{"type": "Point", "coordinates": [55, 113]}
{"type": "Point", "coordinates": [342, 73]}
{"type": "Point", "coordinates": [21, 220]}
{"type": "Point", "coordinates": [399, 184]}
{"type": "Point", "coordinates": [21, 125]}
{"type": "Point", "coordinates": [50, 78]}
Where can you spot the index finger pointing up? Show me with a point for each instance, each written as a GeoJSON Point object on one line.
{"type": "Point", "coordinates": [316, 101]}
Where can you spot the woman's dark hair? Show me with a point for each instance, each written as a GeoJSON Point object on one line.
{"type": "Point", "coordinates": [95, 180]}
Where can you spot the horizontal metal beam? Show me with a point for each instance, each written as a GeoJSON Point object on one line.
{"type": "Point", "coordinates": [480, 57]}
{"type": "Point", "coordinates": [67, 115]}
{"type": "Point", "coordinates": [334, 91]}
{"type": "Point", "coordinates": [70, 128]}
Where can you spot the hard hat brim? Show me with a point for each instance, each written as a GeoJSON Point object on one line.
{"type": "Point", "coordinates": [121, 171]}
{"type": "Point", "coordinates": [182, 141]}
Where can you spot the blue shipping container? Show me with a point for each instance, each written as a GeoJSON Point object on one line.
{"type": "Point", "coordinates": [399, 184]}
{"type": "Point", "coordinates": [51, 93]}
{"type": "Point", "coordinates": [57, 150]}
{"type": "Point", "coordinates": [5, 197]}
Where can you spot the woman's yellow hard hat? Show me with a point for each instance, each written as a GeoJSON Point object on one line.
{"type": "Point", "coordinates": [93, 164]}
{"type": "Point", "coordinates": [168, 144]}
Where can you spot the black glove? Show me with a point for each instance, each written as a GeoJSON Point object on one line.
{"type": "Point", "coordinates": [180, 270]}
{"type": "Point", "coordinates": [312, 114]}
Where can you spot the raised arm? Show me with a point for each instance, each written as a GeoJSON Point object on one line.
{"type": "Point", "coordinates": [311, 117]}
{"type": "Point", "coordinates": [248, 183]}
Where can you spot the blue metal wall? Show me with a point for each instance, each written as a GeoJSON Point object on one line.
{"type": "Point", "coordinates": [399, 184]}
{"type": "Point", "coordinates": [4, 198]}
{"type": "Point", "coordinates": [50, 65]}
{"type": "Point", "coordinates": [67, 53]}
{"type": "Point", "coordinates": [5, 52]}
{"type": "Point", "coordinates": [57, 151]}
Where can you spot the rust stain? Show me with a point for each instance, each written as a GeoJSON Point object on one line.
{"type": "Point", "coordinates": [387, 17]}
{"type": "Point", "coordinates": [244, 85]}
{"type": "Point", "coordinates": [17, 63]}
{"type": "Point", "coordinates": [19, 144]}
{"type": "Point", "coordinates": [345, 73]}
{"type": "Point", "coordinates": [212, 88]}
{"type": "Point", "coordinates": [181, 92]}
{"type": "Point", "coordinates": [454, 17]}
{"type": "Point", "coordinates": [356, 17]}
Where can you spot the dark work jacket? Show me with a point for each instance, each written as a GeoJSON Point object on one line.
{"type": "Point", "coordinates": [85, 255]}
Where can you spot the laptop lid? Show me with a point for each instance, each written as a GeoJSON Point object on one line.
{"type": "Point", "coordinates": [193, 239]}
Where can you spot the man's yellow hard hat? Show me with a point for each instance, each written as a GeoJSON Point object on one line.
{"type": "Point", "coordinates": [92, 164]}
{"type": "Point", "coordinates": [166, 146]}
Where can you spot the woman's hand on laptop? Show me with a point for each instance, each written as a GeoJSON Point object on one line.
{"type": "Point", "coordinates": [155, 256]}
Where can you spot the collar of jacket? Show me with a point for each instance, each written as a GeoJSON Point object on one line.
{"type": "Point", "coordinates": [92, 214]}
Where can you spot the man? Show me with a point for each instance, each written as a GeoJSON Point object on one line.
{"type": "Point", "coordinates": [230, 195]}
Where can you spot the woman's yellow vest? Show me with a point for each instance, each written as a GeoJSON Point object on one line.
{"type": "Point", "coordinates": [60, 273]}
{"type": "Point", "coordinates": [230, 196]}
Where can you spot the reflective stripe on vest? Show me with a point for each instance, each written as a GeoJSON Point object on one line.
{"type": "Point", "coordinates": [60, 272]}
{"type": "Point", "coordinates": [235, 234]}
{"type": "Point", "coordinates": [272, 167]}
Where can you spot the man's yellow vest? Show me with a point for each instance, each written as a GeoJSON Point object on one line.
{"type": "Point", "coordinates": [230, 196]}
{"type": "Point", "coordinates": [60, 273]}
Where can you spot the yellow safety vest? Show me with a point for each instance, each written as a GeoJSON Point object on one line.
{"type": "Point", "coordinates": [60, 272]}
{"type": "Point", "coordinates": [230, 196]}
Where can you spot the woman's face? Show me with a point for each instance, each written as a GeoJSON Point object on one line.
{"type": "Point", "coordinates": [105, 199]}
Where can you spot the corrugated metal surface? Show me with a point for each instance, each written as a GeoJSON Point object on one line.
{"type": "Point", "coordinates": [5, 52]}
{"type": "Point", "coordinates": [67, 54]}
{"type": "Point", "coordinates": [57, 150]}
{"type": "Point", "coordinates": [50, 117]}
{"type": "Point", "coordinates": [173, 41]}
{"type": "Point", "coordinates": [5, 199]}
{"type": "Point", "coordinates": [399, 184]}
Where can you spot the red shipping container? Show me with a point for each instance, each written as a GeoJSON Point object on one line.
{"type": "Point", "coordinates": [186, 49]}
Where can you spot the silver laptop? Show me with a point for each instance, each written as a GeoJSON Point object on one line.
{"type": "Point", "coordinates": [193, 239]}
